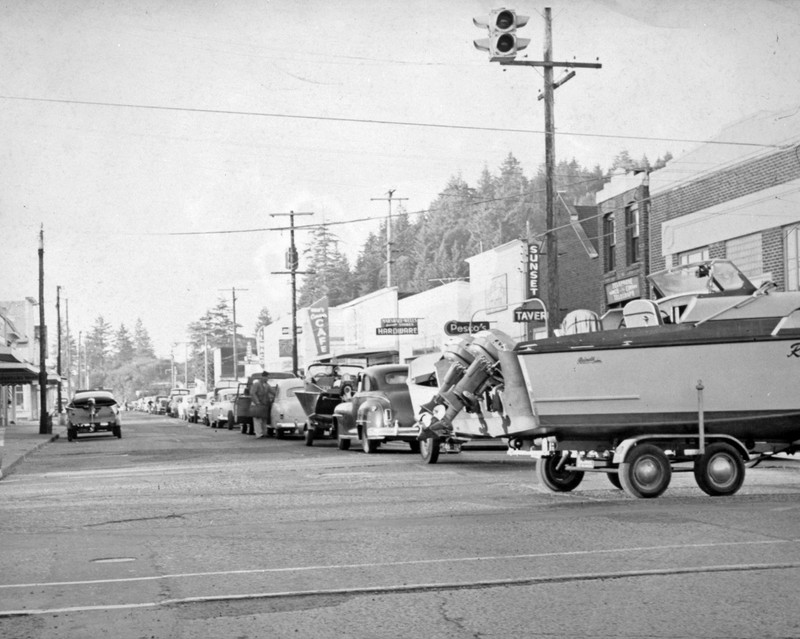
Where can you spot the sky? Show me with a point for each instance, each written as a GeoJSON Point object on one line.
{"type": "Point", "coordinates": [160, 143]}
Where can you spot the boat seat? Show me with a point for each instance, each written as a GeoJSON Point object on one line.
{"type": "Point", "coordinates": [580, 321]}
{"type": "Point", "coordinates": [638, 313]}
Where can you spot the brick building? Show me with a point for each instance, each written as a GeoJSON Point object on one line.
{"type": "Point", "coordinates": [736, 197]}
{"type": "Point", "coordinates": [624, 245]}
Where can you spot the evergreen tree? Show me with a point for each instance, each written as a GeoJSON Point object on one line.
{"type": "Point", "coordinates": [264, 319]}
{"type": "Point", "coordinates": [98, 348]}
{"type": "Point", "coordinates": [142, 345]}
{"type": "Point", "coordinates": [123, 346]}
{"type": "Point", "coordinates": [330, 267]}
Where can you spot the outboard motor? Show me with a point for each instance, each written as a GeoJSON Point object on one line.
{"type": "Point", "coordinates": [474, 368]}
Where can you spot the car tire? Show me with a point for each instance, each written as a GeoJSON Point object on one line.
{"type": "Point", "coordinates": [369, 446]}
{"type": "Point", "coordinates": [230, 422]}
{"type": "Point", "coordinates": [342, 443]}
{"type": "Point", "coordinates": [308, 435]}
{"type": "Point", "coordinates": [72, 434]}
{"type": "Point", "coordinates": [117, 432]}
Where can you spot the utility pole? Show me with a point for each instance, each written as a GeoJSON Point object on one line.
{"type": "Point", "coordinates": [205, 358]}
{"type": "Point", "coordinates": [292, 262]}
{"type": "Point", "coordinates": [45, 427]}
{"type": "Point", "coordinates": [551, 244]}
{"type": "Point", "coordinates": [58, 357]}
{"type": "Point", "coordinates": [390, 193]}
{"type": "Point", "coordinates": [235, 353]}
{"type": "Point", "coordinates": [503, 45]}
{"type": "Point", "coordinates": [69, 353]}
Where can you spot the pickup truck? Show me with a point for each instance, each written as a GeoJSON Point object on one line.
{"type": "Point", "coordinates": [379, 411]}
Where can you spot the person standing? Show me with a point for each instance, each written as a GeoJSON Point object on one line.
{"type": "Point", "coordinates": [261, 404]}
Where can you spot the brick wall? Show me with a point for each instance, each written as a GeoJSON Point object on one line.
{"type": "Point", "coordinates": [725, 185]}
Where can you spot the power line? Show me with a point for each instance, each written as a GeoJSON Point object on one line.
{"type": "Point", "coordinates": [320, 118]}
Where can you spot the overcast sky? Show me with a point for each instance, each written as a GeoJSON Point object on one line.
{"type": "Point", "coordinates": [126, 123]}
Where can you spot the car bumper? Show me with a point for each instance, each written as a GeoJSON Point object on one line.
{"type": "Point", "coordinates": [393, 432]}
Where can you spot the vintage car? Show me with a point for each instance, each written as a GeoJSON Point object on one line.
{"type": "Point", "coordinates": [93, 411]}
{"type": "Point", "coordinates": [176, 405]}
{"type": "Point", "coordinates": [220, 412]}
{"type": "Point", "coordinates": [287, 415]}
{"type": "Point", "coordinates": [195, 405]}
{"type": "Point", "coordinates": [241, 405]}
{"type": "Point", "coordinates": [379, 411]}
{"type": "Point", "coordinates": [161, 405]}
{"type": "Point", "coordinates": [326, 386]}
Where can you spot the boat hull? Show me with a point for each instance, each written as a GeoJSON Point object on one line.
{"type": "Point", "coordinates": [746, 388]}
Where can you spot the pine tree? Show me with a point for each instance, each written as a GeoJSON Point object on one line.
{"type": "Point", "coordinates": [330, 267]}
{"type": "Point", "coordinates": [142, 344]}
{"type": "Point", "coordinates": [123, 346]}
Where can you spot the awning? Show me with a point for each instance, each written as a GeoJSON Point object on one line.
{"type": "Point", "coordinates": [14, 373]}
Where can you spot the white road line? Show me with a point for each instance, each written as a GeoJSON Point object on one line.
{"type": "Point", "coordinates": [415, 562]}
{"type": "Point", "coordinates": [407, 588]}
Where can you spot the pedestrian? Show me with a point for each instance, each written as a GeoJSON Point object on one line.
{"type": "Point", "coordinates": [261, 404]}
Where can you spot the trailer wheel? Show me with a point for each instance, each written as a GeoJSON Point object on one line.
{"type": "Point", "coordinates": [429, 449]}
{"type": "Point", "coordinates": [646, 473]}
{"type": "Point", "coordinates": [308, 436]}
{"type": "Point", "coordinates": [720, 470]}
{"type": "Point", "coordinates": [555, 478]}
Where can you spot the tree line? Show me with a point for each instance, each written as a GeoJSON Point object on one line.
{"type": "Point", "coordinates": [429, 247]}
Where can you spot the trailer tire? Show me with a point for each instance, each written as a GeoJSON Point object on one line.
{"type": "Point", "coordinates": [557, 480]}
{"type": "Point", "coordinates": [720, 470]}
{"type": "Point", "coordinates": [429, 449]}
{"type": "Point", "coordinates": [646, 472]}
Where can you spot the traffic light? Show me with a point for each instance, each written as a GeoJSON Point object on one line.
{"type": "Point", "coordinates": [502, 43]}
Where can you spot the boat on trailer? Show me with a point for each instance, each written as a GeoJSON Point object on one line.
{"type": "Point", "coordinates": [702, 379]}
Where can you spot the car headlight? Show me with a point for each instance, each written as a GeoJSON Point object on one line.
{"type": "Point", "coordinates": [439, 411]}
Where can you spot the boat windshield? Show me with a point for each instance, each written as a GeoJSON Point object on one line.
{"type": "Point", "coordinates": [702, 278]}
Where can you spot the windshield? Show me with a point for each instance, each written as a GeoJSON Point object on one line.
{"type": "Point", "coordinates": [703, 278]}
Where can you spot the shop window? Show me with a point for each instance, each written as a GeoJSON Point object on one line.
{"type": "Point", "coordinates": [793, 259]}
{"type": "Point", "coordinates": [609, 242]}
{"type": "Point", "coordinates": [746, 253]}
{"type": "Point", "coordinates": [695, 255]}
{"type": "Point", "coordinates": [632, 234]}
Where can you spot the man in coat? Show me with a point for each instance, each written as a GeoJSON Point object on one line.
{"type": "Point", "coordinates": [261, 403]}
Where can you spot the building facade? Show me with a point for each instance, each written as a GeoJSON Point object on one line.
{"type": "Point", "coordinates": [736, 198]}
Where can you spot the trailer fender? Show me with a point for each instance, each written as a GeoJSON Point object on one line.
{"type": "Point", "coordinates": [624, 448]}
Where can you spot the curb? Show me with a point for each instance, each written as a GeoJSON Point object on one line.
{"type": "Point", "coordinates": [7, 470]}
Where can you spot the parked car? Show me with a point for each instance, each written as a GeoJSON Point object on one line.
{"type": "Point", "coordinates": [220, 412]}
{"type": "Point", "coordinates": [161, 404]}
{"type": "Point", "coordinates": [241, 406]}
{"type": "Point", "coordinates": [326, 386]}
{"type": "Point", "coordinates": [194, 408]}
{"type": "Point", "coordinates": [379, 411]}
{"type": "Point", "coordinates": [177, 398]}
{"type": "Point", "coordinates": [287, 415]}
{"type": "Point", "coordinates": [93, 411]}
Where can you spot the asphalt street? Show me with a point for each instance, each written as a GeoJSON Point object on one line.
{"type": "Point", "coordinates": [180, 530]}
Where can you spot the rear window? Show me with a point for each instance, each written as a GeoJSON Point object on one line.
{"type": "Point", "coordinates": [396, 378]}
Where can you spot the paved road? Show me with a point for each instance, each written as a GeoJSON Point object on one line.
{"type": "Point", "coordinates": [179, 530]}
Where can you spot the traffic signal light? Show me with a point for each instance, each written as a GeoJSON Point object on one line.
{"type": "Point", "coordinates": [502, 43]}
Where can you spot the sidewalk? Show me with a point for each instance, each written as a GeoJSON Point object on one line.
{"type": "Point", "coordinates": [19, 440]}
